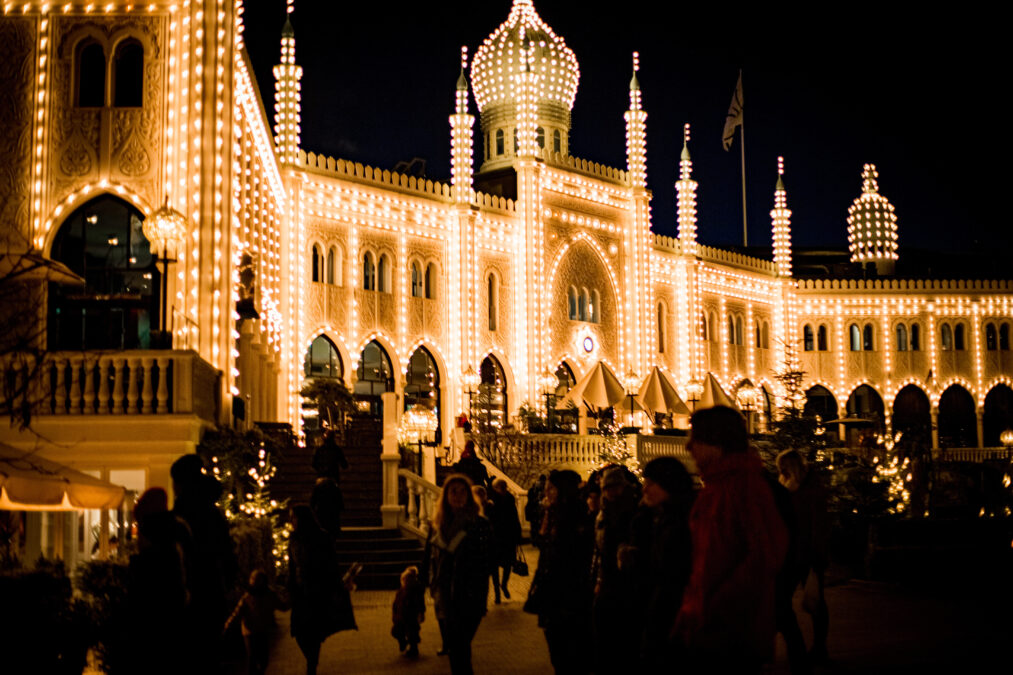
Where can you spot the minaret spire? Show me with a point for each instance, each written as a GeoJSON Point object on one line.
{"type": "Point", "coordinates": [686, 190]}
{"type": "Point", "coordinates": [780, 218]}
{"type": "Point", "coordinates": [287, 109]}
{"type": "Point", "coordinates": [461, 142]}
{"type": "Point", "coordinates": [636, 132]}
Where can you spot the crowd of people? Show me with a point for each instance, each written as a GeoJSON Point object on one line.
{"type": "Point", "coordinates": [659, 574]}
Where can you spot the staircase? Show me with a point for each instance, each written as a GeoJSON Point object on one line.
{"type": "Point", "coordinates": [384, 554]}
{"type": "Point", "coordinates": [361, 483]}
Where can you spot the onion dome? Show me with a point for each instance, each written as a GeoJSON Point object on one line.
{"type": "Point", "coordinates": [872, 224]}
{"type": "Point", "coordinates": [524, 42]}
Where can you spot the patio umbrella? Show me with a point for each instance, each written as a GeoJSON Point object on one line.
{"type": "Point", "coordinates": [659, 395]}
{"type": "Point", "coordinates": [599, 388]}
{"type": "Point", "coordinates": [714, 395]}
{"type": "Point", "coordinates": [31, 483]}
{"type": "Point", "coordinates": [33, 266]}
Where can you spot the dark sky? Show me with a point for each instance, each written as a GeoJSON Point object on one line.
{"type": "Point", "coordinates": [828, 85]}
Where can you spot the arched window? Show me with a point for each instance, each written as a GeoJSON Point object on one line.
{"type": "Point", "coordinates": [739, 340]}
{"type": "Point", "coordinates": [128, 69]}
{"type": "Point", "coordinates": [704, 327]}
{"type": "Point", "coordinates": [661, 327]}
{"type": "Point", "coordinates": [540, 137]}
{"type": "Point", "coordinates": [582, 305]}
{"type": "Point", "coordinates": [713, 328]}
{"type": "Point", "coordinates": [486, 146]}
{"type": "Point", "coordinates": [492, 300]}
{"type": "Point", "coordinates": [916, 339]}
{"type": "Point", "coordinates": [867, 338]}
{"type": "Point", "coordinates": [572, 304]}
{"type": "Point", "coordinates": [374, 376]}
{"type": "Point", "coordinates": [1004, 337]}
{"type": "Point", "coordinates": [91, 76]}
{"type": "Point", "coordinates": [491, 401]}
{"type": "Point", "coordinates": [330, 265]}
{"type": "Point", "coordinates": [958, 337]}
{"type": "Point", "coordinates": [765, 335]}
{"type": "Point", "coordinates": [383, 274]}
{"type": "Point", "coordinates": [991, 337]}
{"type": "Point", "coordinates": [422, 384]}
{"type": "Point", "coordinates": [757, 338]}
{"type": "Point", "coordinates": [946, 337]}
{"type": "Point", "coordinates": [323, 359]}
{"type": "Point", "coordinates": [119, 305]}
{"type": "Point", "coordinates": [901, 337]}
{"type": "Point", "coordinates": [557, 141]}
{"type": "Point", "coordinates": [499, 142]}
{"type": "Point", "coordinates": [595, 309]}
{"type": "Point", "coordinates": [416, 280]}
{"type": "Point", "coordinates": [855, 335]}
{"type": "Point", "coordinates": [731, 330]}
{"type": "Point", "coordinates": [317, 262]}
{"type": "Point", "coordinates": [821, 338]}
{"type": "Point", "coordinates": [807, 338]}
{"type": "Point", "coordinates": [430, 281]}
{"type": "Point", "coordinates": [516, 144]}
{"type": "Point", "coordinates": [368, 272]}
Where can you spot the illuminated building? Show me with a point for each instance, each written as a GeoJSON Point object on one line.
{"type": "Point", "coordinates": [530, 261]}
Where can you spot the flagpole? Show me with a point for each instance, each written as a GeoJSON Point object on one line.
{"type": "Point", "coordinates": [742, 138]}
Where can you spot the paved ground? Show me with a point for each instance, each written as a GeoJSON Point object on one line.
{"type": "Point", "coordinates": [875, 628]}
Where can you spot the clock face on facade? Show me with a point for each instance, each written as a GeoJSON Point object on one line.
{"type": "Point", "coordinates": [588, 344]}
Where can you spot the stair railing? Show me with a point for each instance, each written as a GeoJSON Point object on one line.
{"type": "Point", "coordinates": [423, 497]}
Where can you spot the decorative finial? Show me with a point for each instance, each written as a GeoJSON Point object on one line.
{"type": "Point", "coordinates": [685, 141]}
{"type": "Point", "coordinates": [634, 83]}
{"type": "Point", "coordinates": [462, 81]}
{"type": "Point", "coordinates": [780, 173]}
{"type": "Point", "coordinates": [869, 176]}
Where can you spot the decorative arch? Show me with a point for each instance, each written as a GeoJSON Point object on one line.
{"type": "Point", "coordinates": [128, 60]}
{"type": "Point", "coordinates": [504, 363]}
{"type": "Point", "coordinates": [424, 383]}
{"type": "Point", "coordinates": [416, 280]}
{"type": "Point", "coordinates": [865, 402]}
{"type": "Point", "coordinates": [44, 240]}
{"type": "Point", "coordinates": [821, 401]}
{"type": "Point", "coordinates": [958, 421]}
{"type": "Point", "coordinates": [337, 341]}
{"type": "Point", "coordinates": [911, 413]}
{"type": "Point", "coordinates": [316, 262]}
{"type": "Point", "coordinates": [323, 359]}
{"type": "Point", "coordinates": [949, 382]}
{"type": "Point", "coordinates": [997, 415]}
{"type": "Point", "coordinates": [430, 277]}
{"type": "Point", "coordinates": [493, 395]}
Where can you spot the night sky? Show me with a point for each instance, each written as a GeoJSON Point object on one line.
{"type": "Point", "coordinates": [830, 86]}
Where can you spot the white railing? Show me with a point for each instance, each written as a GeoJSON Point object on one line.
{"type": "Point", "coordinates": [423, 497]}
{"type": "Point", "coordinates": [135, 382]}
{"type": "Point", "coordinates": [970, 454]}
{"type": "Point", "coordinates": [650, 447]}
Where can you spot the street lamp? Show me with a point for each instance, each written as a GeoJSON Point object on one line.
{"type": "Point", "coordinates": [1006, 438]}
{"type": "Point", "coordinates": [164, 230]}
{"type": "Point", "coordinates": [694, 390]}
{"type": "Point", "coordinates": [632, 380]}
{"type": "Point", "coordinates": [747, 396]}
{"type": "Point", "coordinates": [471, 380]}
{"type": "Point", "coordinates": [418, 424]}
{"type": "Point", "coordinates": [547, 381]}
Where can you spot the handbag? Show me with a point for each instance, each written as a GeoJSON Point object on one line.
{"type": "Point", "coordinates": [520, 564]}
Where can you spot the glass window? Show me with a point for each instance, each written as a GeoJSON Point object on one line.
{"type": "Point", "coordinates": [416, 280]}
{"type": "Point", "coordinates": [491, 402]}
{"type": "Point", "coordinates": [91, 76]}
{"type": "Point", "coordinates": [374, 375]}
{"type": "Point", "coordinates": [572, 303]}
{"type": "Point", "coordinates": [430, 281]}
{"type": "Point", "coordinates": [557, 141]}
{"type": "Point", "coordinates": [821, 338]}
{"type": "Point", "coordinates": [119, 305]}
{"type": "Point", "coordinates": [901, 337]}
{"type": "Point", "coordinates": [582, 305]}
{"type": "Point", "coordinates": [129, 75]}
{"type": "Point", "coordinates": [330, 265]}
{"type": "Point", "coordinates": [867, 338]}
{"type": "Point", "coordinates": [492, 300]}
{"type": "Point", "coordinates": [991, 337]}
{"type": "Point", "coordinates": [1004, 337]}
{"type": "Point", "coordinates": [855, 336]}
{"type": "Point", "coordinates": [807, 338]}
{"type": "Point", "coordinates": [958, 337]}
{"type": "Point", "coordinates": [383, 274]}
{"type": "Point", "coordinates": [540, 137]}
{"type": "Point", "coordinates": [915, 341]}
{"type": "Point", "coordinates": [368, 272]}
{"type": "Point", "coordinates": [946, 337]}
{"type": "Point", "coordinates": [323, 359]}
{"type": "Point", "coordinates": [317, 263]}
{"type": "Point", "coordinates": [661, 328]}
{"type": "Point", "coordinates": [595, 306]}
{"type": "Point", "coordinates": [499, 142]}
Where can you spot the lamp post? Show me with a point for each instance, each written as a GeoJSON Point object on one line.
{"type": "Point", "coordinates": [418, 424]}
{"type": "Point", "coordinates": [632, 379]}
{"type": "Point", "coordinates": [547, 381]}
{"type": "Point", "coordinates": [747, 396]}
{"type": "Point", "coordinates": [471, 380]}
{"type": "Point", "coordinates": [164, 230]}
{"type": "Point", "coordinates": [694, 390]}
{"type": "Point", "coordinates": [1006, 438]}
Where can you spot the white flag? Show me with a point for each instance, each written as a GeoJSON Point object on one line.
{"type": "Point", "coordinates": [734, 117]}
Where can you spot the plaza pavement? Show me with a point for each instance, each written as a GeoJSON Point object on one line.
{"type": "Point", "coordinates": [874, 628]}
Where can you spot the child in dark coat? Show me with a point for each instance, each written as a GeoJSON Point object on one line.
{"type": "Point", "coordinates": [256, 610]}
{"type": "Point", "coordinates": [409, 612]}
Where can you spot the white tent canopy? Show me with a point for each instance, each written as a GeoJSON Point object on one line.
{"type": "Point", "coordinates": [31, 483]}
{"type": "Point", "coordinates": [658, 395]}
{"type": "Point", "coordinates": [599, 388]}
{"type": "Point", "coordinates": [714, 395]}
